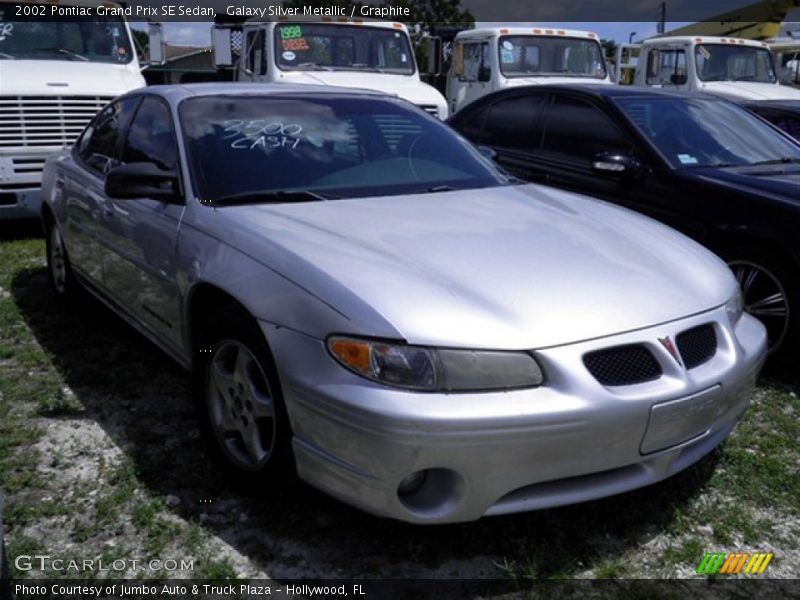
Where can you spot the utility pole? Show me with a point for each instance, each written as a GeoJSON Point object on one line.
{"type": "Point", "coordinates": [662, 22]}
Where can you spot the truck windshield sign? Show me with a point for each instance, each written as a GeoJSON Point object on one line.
{"type": "Point", "coordinates": [324, 47]}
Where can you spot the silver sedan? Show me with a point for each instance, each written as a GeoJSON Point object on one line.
{"type": "Point", "coordinates": [362, 298]}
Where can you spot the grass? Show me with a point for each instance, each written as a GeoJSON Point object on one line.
{"type": "Point", "coordinates": [84, 371]}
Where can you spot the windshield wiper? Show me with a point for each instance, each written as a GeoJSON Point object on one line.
{"type": "Point", "coordinates": [62, 51]}
{"type": "Point", "coordinates": [785, 160]}
{"type": "Point", "coordinates": [269, 197]}
{"type": "Point", "coordinates": [8, 56]}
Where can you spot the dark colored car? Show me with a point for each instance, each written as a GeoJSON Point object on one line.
{"type": "Point", "coordinates": [784, 114]}
{"type": "Point", "coordinates": [704, 166]}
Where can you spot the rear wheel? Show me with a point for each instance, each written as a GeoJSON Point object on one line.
{"type": "Point", "coordinates": [771, 291]}
{"type": "Point", "coordinates": [241, 403]}
{"type": "Point", "coordinates": [59, 269]}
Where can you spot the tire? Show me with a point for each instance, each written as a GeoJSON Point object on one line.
{"type": "Point", "coordinates": [771, 289]}
{"type": "Point", "coordinates": [240, 402]}
{"type": "Point", "coordinates": [59, 269]}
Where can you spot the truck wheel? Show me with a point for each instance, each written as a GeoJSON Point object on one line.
{"type": "Point", "coordinates": [771, 289]}
{"type": "Point", "coordinates": [59, 270]}
{"type": "Point", "coordinates": [240, 401]}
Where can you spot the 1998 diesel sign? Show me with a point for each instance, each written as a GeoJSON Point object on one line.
{"type": "Point", "coordinates": [43, 562]}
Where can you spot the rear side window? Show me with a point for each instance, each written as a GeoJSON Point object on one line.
{"type": "Point", "coordinates": [98, 145]}
{"type": "Point", "coordinates": [581, 130]}
{"type": "Point", "coordinates": [511, 123]}
{"type": "Point", "coordinates": [151, 136]}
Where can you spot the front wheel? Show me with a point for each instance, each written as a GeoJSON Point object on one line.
{"type": "Point", "coordinates": [771, 291]}
{"type": "Point", "coordinates": [240, 397]}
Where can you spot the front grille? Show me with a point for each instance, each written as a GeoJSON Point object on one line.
{"type": "Point", "coordinates": [430, 109]}
{"type": "Point", "coordinates": [622, 365]}
{"type": "Point", "coordinates": [31, 121]}
{"type": "Point", "coordinates": [697, 345]}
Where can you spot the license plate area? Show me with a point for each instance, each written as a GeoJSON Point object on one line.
{"type": "Point", "coordinates": [677, 421]}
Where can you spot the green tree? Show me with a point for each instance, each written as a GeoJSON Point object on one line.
{"type": "Point", "coordinates": [609, 48]}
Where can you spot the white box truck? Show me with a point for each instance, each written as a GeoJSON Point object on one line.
{"type": "Point", "coordinates": [488, 59]}
{"type": "Point", "coordinates": [359, 53]}
{"type": "Point", "coordinates": [737, 69]}
{"type": "Point", "coordinates": [56, 71]}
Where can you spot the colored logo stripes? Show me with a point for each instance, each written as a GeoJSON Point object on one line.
{"type": "Point", "coordinates": [735, 563]}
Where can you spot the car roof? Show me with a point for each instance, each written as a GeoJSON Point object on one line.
{"type": "Point", "coordinates": [599, 90]}
{"type": "Point", "coordinates": [178, 92]}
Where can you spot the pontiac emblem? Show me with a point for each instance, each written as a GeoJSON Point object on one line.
{"type": "Point", "coordinates": [670, 347]}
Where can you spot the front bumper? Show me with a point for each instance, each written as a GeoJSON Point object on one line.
{"type": "Point", "coordinates": [20, 182]}
{"type": "Point", "coordinates": [569, 441]}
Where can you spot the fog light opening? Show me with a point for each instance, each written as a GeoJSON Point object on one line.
{"type": "Point", "coordinates": [412, 483]}
{"type": "Point", "coordinates": [431, 492]}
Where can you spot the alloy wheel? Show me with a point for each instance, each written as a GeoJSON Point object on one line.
{"type": "Point", "coordinates": [764, 298]}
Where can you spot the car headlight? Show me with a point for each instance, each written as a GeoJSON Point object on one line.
{"type": "Point", "coordinates": [735, 307]}
{"type": "Point", "coordinates": [436, 369]}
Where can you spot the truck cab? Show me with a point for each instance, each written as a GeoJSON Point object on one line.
{"type": "Point", "coordinates": [736, 69]}
{"type": "Point", "coordinates": [56, 72]}
{"type": "Point", "coordinates": [493, 58]}
{"type": "Point", "coordinates": [345, 52]}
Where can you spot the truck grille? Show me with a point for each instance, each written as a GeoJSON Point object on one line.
{"type": "Point", "coordinates": [697, 345]}
{"type": "Point", "coordinates": [30, 121]}
{"type": "Point", "coordinates": [623, 365]}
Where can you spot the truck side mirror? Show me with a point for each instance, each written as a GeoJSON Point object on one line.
{"type": "Point", "coordinates": [155, 40]}
{"type": "Point", "coordinates": [221, 41]}
{"type": "Point", "coordinates": [433, 47]}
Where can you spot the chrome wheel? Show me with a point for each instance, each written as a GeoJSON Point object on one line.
{"type": "Point", "coordinates": [764, 298]}
{"type": "Point", "coordinates": [57, 260]}
{"type": "Point", "coordinates": [240, 405]}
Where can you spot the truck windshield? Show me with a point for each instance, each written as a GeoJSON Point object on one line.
{"type": "Point", "coordinates": [695, 132]}
{"type": "Point", "coordinates": [285, 148]}
{"type": "Point", "coordinates": [729, 62]}
{"type": "Point", "coordinates": [549, 56]}
{"type": "Point", "coordinates": [95, 39]}
{"type": "Point", "coordinates": [338, 47]}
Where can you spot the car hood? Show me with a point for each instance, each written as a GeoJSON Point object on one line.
{"type": "Point", "coordinates": [408, 87]}
{"type": "Point", "coordinates": [517, 81]}
{"type": "Point", "coordinates": [782, 181]}
{"type": "Point", "coordinates": [743, 90]}
{"type": "Point", "coordinates": [66, 78]}
{"type": "Point", "coordinates": [506, 267]}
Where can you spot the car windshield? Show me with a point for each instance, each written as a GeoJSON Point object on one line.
{"type": "Point", "coordinates": [290, 148]}
{"type": "Point", "coordinates": [95, 39]}
{"type": "Point", "coordinates": [730, 62]}
{"type": "Point", "coordinates": [700, 132]}
{"type": "Point", "coordinates": [301, 46]}
{"type": "Point", "coordinates": [537, 56]}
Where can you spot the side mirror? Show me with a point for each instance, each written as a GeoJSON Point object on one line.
{"type": "Point", "coordinates": [484, 74]}
{"type": "Point", "coordinates": [487, 152]}
{"type": "Point", "coordinates": [433, 48]}
{"type": "Point", "coordinates": [221, 42]}
{"type": "Point", "coordinates": [142, 180]}
{"type": "Point", "coordinates": [155, 41]}
{"type": "Point", "coordinates": [613, 164]}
